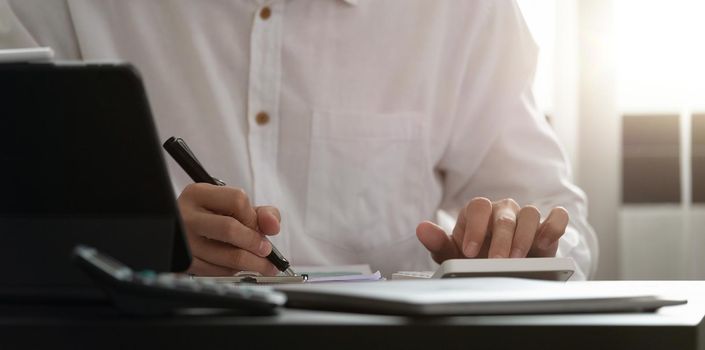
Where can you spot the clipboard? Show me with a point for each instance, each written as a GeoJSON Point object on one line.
{"type": "Point", "coordinates": [343, 273]}
{"type": "Point", "coordinates": [252, 277]}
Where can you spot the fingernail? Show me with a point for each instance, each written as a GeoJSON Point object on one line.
{"type": "Point", "coordinates": [544, 243]}
{"type": "Point", "coordinates": [516, 253]}
{"type": "Point", "coordinates": [471, 249]}
{"type": "Point", "coordinates": [265, 247]}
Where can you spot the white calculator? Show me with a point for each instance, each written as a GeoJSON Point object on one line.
{"type": "Point", "coordinates": [552, 269]}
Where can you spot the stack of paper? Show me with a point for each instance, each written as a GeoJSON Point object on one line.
{"type": "Point", "coordinates": [339, 273]}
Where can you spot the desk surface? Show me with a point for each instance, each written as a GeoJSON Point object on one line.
{"type": "Point", "coordinates": [677, 327]}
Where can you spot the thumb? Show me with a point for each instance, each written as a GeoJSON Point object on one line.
{"type": "Point", "coordinates": [437, 242]}
{"type": "Point", "coordinates": [268, 219]}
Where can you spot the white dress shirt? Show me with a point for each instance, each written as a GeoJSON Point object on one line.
{"type": "Point", "coordinates": [357, 118]}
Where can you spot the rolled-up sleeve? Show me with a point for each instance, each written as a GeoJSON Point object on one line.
{"type": "Point", "coordinates": [13, 35]}
{"type": "Point", "coordinates": [500, 144]}
{"type": "Point", "coordinates": [33, 23]}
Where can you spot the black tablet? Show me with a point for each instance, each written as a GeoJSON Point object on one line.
{"type": "Point", "coordinates": [80, 162]}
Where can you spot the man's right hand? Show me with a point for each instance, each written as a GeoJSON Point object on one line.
{"type": "Point", "coordinates": [225, 233]}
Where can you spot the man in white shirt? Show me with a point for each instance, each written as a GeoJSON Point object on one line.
{"type": "Point", "coordinates": [357, 118]}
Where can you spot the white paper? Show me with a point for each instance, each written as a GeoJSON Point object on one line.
{"type": "Point", "coordinates": [320, 270]}
{"type": "Point", "coordinates": [346, 278]}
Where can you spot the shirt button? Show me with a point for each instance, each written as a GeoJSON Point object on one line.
{"type": "Point", "coordinates": [262, 118]}
{"type": "Point", "coordinates": [265, 12]}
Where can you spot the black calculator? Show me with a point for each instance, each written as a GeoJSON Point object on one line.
{"type": "Point", "coordinates": [147, 292]}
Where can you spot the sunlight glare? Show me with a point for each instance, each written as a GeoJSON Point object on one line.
{"type": "Point", "coordinates": [660, 47]}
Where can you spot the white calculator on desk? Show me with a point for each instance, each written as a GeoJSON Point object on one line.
{"type": "Point", "coordinates": [551, 269]}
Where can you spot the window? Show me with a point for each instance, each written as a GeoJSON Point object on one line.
{"type": "Point", "coordinates": [650, 159]}
{"type": "Point", "coordinates": [698, 158]}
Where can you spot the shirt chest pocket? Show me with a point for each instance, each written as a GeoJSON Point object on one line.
{"type": "Point", "coordinates": [364, 182]}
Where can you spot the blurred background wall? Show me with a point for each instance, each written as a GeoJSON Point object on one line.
{"type": "Point", "coordinates": [623, 84]}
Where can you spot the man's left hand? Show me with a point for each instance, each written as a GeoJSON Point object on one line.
{"type": "Point", "coordinates": [500, 229]}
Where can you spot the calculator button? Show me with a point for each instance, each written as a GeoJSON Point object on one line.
{"type": "Point", "coordinates": [235, 290]}
{"type": "Point", "coordinates": [166, 280]}
{"type": "Point", "coordinates": [186, 283]}
{"type": "Point", "coordinates": [146, 277]}
{"type": "Point", "coordinates": [147, 274]}
{"type": "Point", "coordinates": [211, 288]}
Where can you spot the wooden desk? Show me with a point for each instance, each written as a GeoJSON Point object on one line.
{"type": "Point", "coordinates": [673, 328]}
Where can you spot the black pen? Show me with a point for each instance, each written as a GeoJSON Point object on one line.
{"type": "Point", "coordinates": [177, 148]}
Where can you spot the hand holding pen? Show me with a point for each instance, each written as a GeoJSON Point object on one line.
{"type": "Point", "coordinates": [225, 232]}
